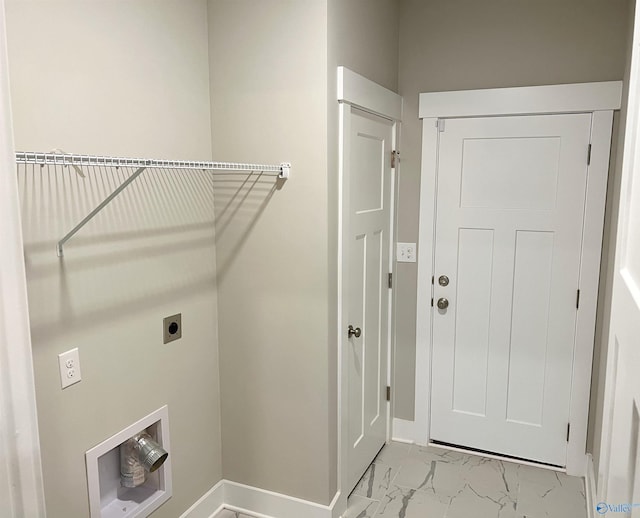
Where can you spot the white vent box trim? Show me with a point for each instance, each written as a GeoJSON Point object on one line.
{"type": "Point", "coordinates": [107, 498]}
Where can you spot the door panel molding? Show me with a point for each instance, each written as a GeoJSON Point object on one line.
{"type": "Point", "coordinates": [599, 99]}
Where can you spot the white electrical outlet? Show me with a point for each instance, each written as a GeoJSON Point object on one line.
{"type": "Point", "coordinates": [69, 363]}
{"type": "Point", "coordinates": [406, 252]}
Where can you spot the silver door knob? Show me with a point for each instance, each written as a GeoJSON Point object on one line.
{"type": "Point", "coordinates": [443, 303]}
{"type": "Point", "coordinates": [354, 332]}
{"type": "Point", "coordinates": [443, 280]}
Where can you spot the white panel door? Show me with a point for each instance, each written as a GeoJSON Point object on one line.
{"type": "Point", "coordinates": [619, 466]}
{"type": "Point", "coordinates": [510, 208]}
{"type": "Point", "coordinates": [369, 143]}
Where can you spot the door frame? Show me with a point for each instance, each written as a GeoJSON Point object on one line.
{"type": "Point", "coordinates": [624, 293]}
{"type": "Point", "coordinates": [599, 99]}
{"type": "Point", "coordinates": [356, 91]}
{"type": "Point", "coordinates": [21, 486]}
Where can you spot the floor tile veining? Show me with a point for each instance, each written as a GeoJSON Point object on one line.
{"type": "Point", "coordinates": [226, 513]}
{"type": "Point", "coordinates": [424, 482]}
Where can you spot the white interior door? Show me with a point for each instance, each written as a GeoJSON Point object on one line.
{"type": "Point", "coordinates": [369, 144]}
{"type": "Point", "coordinates": [619, 466]}
{"type": "Point", "coordinates": [510, 209]}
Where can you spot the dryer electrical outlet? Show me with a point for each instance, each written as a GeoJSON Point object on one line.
{"type": "Point", "coordinates": [172, 328]}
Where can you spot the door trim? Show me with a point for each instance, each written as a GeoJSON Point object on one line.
{"type": "Point", "coordinates": [600, 99]}
{"type": "Point", "coordinates": [356, 91]}
{"type": "Point", "coordinates": [624, 295]}
{"type": "Point", "coordinates": [527, 100]}
{"type": "Point", "coordinates": [362, 93]}
{"type": "Point", "coordinates": [21, 486]}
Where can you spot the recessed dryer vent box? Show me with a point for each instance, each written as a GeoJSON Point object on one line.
{"type": "Point", "coordinates": [107, 498]}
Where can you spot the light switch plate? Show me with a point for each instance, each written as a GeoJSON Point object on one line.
{"type": "Point", "coordinates": [69, 364]}
{"type": "Point", "coordinates": [406, 252]}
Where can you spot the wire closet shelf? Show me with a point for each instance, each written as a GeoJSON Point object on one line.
{"type": "Point", "coordinates": [282, 170]}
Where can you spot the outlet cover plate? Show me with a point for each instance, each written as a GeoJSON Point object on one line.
{"type": "Point", "coordinates": [406, 253]}
{"type": "Point", "coordinates": [172, 328]}
{"type": "Point", "coordinates": [69, 363]}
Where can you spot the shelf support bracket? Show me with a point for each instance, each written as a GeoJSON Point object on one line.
{"type": "Point", "coordinates": [107, 200]}
{"type": "Point", "coordinates": [285, 169]}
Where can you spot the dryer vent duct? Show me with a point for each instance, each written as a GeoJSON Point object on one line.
{"type": "Point", "coordinates": [139, 455]}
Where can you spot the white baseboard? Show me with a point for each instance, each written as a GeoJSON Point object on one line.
{"type": "Point", "coordinates": [208, 504]}
{"type": "Point", "coordinates": [268, 504]}
{"type": "Point", "coordinates": [590, 487]}
{"type": "Point", "coordinates": [258, 502]}
{"type": "Point", "coordinates": [404, 431]}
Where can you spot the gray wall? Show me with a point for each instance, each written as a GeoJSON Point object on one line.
{"type": "Point", "coordinates": [269, 104]}
{"type": "Point", "coordinates": [466, 44]}
{"type": "Point", "coordinates": [143, 93]}
{"type": "Point", "coordinates": [273, 97]}
{"type": "Point", "coordinates": [363, 36]}
{"type": "Point", "coordinates": [121, 78]}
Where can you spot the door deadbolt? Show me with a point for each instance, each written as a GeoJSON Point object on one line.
{"type": "Point", "coordinates": [443, 303]}
{"type": "Point", "coordinates": [443, 280]}
{"type": "Point", "coordinates": [354, 332]}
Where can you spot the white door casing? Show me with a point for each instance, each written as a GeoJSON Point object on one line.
{"type": "Point", "coordinates": [619, 469]}
{"type": "Point", "coordinates": [368, 120]}
{"type": "Point", "coordinates": [21, 486]}
{"type": "Point", "coordinates": [599, 99]}
{"type": "Point", "coordinates": [510, 206]}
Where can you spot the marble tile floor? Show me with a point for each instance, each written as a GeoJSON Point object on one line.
{"type": "Point", "coordinates": [226, 513]}
{"type": "Point", "coordinates": [417, 482]}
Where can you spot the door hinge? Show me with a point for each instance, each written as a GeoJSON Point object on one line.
{"type": "Point", "coordinates": [578, 300]}
{"type": "Point", "coordinates": [433, 278]}
{"type": "Point", "coordinates": [388, 393]}
{"type": "Point", "coordinates": [568, 430]}
{"type": "Point", "coordinates": [589, 155]}
{"type": "Point", "coordinates": [440, 125]}
{"type": "Point", "coordinates": [431, 301]}
{"type": "Point", "coordinates": [390, 280]}
{"type": "Point", "coordinates": [395, 158]}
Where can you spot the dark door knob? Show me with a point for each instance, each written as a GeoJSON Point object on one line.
{"type": "Point", "coordinates": [443, 303]}
{"type": "Point", "coordinates": [354, 332]}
